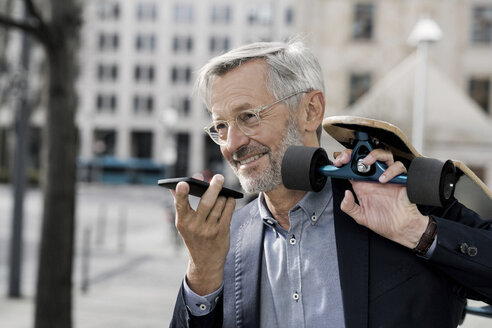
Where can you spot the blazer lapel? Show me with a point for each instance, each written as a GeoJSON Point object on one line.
{"type": "Point", "coordinates": [353, 260]}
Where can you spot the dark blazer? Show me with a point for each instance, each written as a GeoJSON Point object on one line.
{"type": "Point", "coordinates": [383, 284]}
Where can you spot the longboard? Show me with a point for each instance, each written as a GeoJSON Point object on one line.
{"type": "Point", "coordinates": [470, 190]}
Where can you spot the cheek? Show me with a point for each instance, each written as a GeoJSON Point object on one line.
{"type": "Point", "coordinates": [226, 154]}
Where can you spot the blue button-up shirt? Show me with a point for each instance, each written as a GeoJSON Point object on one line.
{"type": "Point", "coordinates": [300, 284]}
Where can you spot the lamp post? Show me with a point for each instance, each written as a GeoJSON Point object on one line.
{"type": "Point", "coordinates": [425, 32]}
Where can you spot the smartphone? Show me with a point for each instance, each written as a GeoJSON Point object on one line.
{"type": "Point", "coordinates": [197, 187]}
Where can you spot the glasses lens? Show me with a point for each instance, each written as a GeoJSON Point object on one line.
{"type": "Point", "coordinates": [218, 132]}
{"type": "Point", "coordinates": [248, 121]}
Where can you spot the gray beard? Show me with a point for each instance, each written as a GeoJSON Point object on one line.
{"type": "Point", "coordinates": [271, 178]}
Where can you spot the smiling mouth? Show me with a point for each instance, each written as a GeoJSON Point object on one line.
{"type": "Point", "coordinates": [251, 159]}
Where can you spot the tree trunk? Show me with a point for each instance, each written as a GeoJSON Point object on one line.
{"type": "Point", "coordinates": [54, 286]}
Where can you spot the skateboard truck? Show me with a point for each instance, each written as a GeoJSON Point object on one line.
{"type": "Point", "coordinates": [429, 181]}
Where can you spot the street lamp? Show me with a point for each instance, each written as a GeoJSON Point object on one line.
{"type": "Point", "coordinates": [425, 32]}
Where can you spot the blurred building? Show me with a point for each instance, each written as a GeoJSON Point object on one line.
{"type": "Point", "coordinates": [139, 58]}
{"type": "Point", "coordinates": [363, 46]}
{"type": "Point", "coordinates": [138, 61]}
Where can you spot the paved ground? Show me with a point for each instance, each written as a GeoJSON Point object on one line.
{"type": "Point", "coordinates": [135, 266]}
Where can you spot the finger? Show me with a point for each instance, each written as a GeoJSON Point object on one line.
{"type": "Point", "coordinates": [343, 158]}
{"type": "Point", "coordinates": [349, 206]}
{"type": "Point", "coordinates": [392, 171]}
{"type": "Point", "coordinates": [381, 155]}
{"type": "Point", "coordinates": [225, 219]}
{"type": "Point", "coordinates": [216, 211]}
{"type": "Point", "coordinates": [181, 202]}
{"type": "Point", "coordinates": [207, 201]}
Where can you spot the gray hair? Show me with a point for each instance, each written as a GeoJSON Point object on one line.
{"type": "Point", "coordinates": [292, 67]}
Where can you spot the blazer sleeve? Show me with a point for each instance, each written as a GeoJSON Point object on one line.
{"type": "Point", "coordinates": [464, 249]}
{"type": "Point", "coordinates": [182, 318]}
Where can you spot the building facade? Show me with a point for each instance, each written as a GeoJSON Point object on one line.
{"type": "Point", "coordinates": [360, 42]}
{"type": "Point", "coordinates": [139, 58]}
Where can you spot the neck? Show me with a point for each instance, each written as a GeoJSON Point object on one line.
{"type": "Point", "coordinates": [280, 201]}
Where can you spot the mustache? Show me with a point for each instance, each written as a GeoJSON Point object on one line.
{"type": "Point", "coordinates": [246, 150]}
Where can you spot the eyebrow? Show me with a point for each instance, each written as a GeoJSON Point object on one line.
{"type": "Point", "coordinates": [239, 108]}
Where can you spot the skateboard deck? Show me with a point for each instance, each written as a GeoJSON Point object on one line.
{"type": "Point", "coordinates": [470, 190]}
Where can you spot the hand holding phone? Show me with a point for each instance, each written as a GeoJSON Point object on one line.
{"type": "Point", "coordinates": [197, 187]}
{"type": "Point", "coordinates": [205, 229]}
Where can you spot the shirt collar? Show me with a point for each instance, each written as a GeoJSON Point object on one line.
{"type": "Point", "coordinates": [313, 204]}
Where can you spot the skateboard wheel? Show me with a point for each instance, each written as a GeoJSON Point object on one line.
{"type": "Point", "coordinates": [300, 168]}
{"type": "Point", "coordinates": [430, 181]}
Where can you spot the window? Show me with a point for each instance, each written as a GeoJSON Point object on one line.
{"type": "Point", "coordinates": [182, 150]}
{"type": "Point", "coordinates": [183, 13]}
{"type": "Point", "coordinates": [363, 21]}
{"type": "Point", "coordinates": [482, 24]}
{"type": "Point", "coordinates": [260, 15]}
{"type": "Point", "coordinates": [106, 103]}
{"type": "Point", "coordinates": [359, 84]}
{"type": "Point", "coordinates": [141, 144]}
{"type": "Point", "coordinates": [182, 44]}
{"type": "Point", "coordinates": [182, 104]}
{"type": "Point", "coordinates": [145, 42]}
{"type": "Point", "coordinates": [181, 74]}
{"type": "Point", "coordinates": [108, 10]}
{"type": "Point", "coordinates": [147, 12]}
{"type": "Point", "coordinates": [143, 104]}
{"type": "Point", "coordinates": [219, 44]}
{"type": "Point", "coordinates": [107, 72]}
{"type": "Point", "coordinates": [213, 157]}
{"type": "Point", "coordinates": [108, 41]}
{"type": "Point", "coordinates": [144, 73]}
{"type": "Point", "coordinates": [220, 14]}
{"type": "Point", "coordinates": [289, 16]}
{"type": "Point", "coordinates": [104, 142]}
{"type": "Point", "coordinates": [479, 90]}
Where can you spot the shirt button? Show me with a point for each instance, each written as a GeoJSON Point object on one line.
{"type": "Point", "coordinates": [293, 241]}
{"type": "Point", "coordinates": [295, 296]}
{"type": "Point", "coordinates": [314, 218]}
{"type": "Point", "coordinates": [203, 307]}
{"type": "Point", "coordinates": [270, 222]}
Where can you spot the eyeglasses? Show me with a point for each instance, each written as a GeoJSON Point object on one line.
{"type": "Point", "coordinates": [248, 121]}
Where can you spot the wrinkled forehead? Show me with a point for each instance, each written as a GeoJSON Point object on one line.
{"type": "Point", "coordinates": [244, 87]}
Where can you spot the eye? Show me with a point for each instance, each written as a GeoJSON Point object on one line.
{"type": "Point", "coordinates": [220, 126]}
{"type": "Point", "coordinates": [247, 118]}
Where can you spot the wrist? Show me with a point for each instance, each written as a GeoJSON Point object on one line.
{"type": "Point", "coordinates": [204, 281]}
{"type": "Point", "coordinates": [414, 229]}
{"type": "Point", "coordinates": [427, 238]}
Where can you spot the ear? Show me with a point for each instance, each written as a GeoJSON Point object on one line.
{"type": "Point", "coordinates": [313, 110]}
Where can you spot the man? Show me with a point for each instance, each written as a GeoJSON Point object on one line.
{"type": "Point", "coordinates": [297, 259]}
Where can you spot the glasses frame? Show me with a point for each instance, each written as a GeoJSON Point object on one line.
{"type": "Point", "coordinates": [255, 111]}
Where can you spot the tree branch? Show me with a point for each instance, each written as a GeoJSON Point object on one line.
{"type": "Point", "coordinates": [33, 11]}
{"type": "Point", "coordinates": [23, 26]}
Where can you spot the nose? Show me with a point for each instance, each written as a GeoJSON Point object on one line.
{"type": "Point", "coordinates": [235, 138]}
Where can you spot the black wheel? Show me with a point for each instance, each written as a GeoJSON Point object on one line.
{"type": "Point", "coordinates": [300, 168]}
{"type": "Point", "coordinates": [430, 181]}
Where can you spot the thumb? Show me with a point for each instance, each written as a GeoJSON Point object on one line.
{"type": "Point", "coordinates": [349, 206]}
